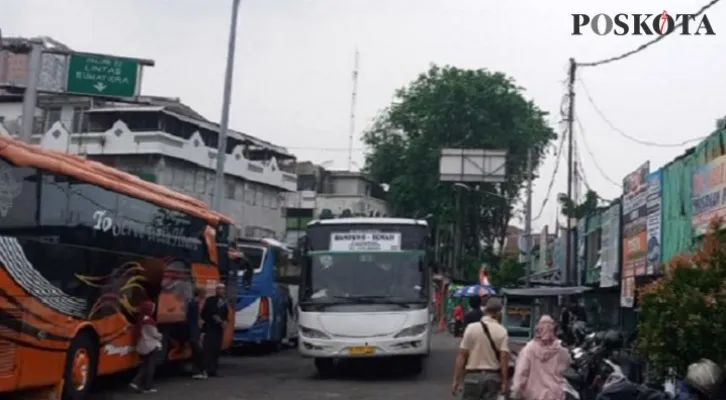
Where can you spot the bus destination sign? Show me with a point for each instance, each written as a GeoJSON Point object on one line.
{"type": "Point", "coordinates": [365, 241]}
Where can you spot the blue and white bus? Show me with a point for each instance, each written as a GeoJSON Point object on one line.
{"type": "Point", "coordinates": [266, 307]}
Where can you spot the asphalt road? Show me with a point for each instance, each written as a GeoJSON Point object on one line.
{"type": "Point", "coordinates": [286, 375]}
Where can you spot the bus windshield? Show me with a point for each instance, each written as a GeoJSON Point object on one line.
{"type": "Point", "coordinates": [392, 275]}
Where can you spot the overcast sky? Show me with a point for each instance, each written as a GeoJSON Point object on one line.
{"type": "Point", "coordinates": [294, 62]}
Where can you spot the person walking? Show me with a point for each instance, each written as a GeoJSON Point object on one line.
{"type": "Point", "coordinates": [482, 365]}
{"type": "Point", "coordinates": [215, 314]}
{"type": "Point", "coordinates": [458, 319]}
{"type": "Point", "coordinates": [475, 313]}
{"type": "Point", "coordinates": [148, 347]}
{"type": "Point", "coordinates": [195, 334]}
{"type": "Point", "coordinates": [540, 365]}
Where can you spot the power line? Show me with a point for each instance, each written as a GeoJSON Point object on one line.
{"type": "Point", "coordinates": [625, 135]}
{"type": "Point", "coordinates": [335, 149]}
{"type": "Point", "coordinates": [592, 155]}
{"type": "Point", "coordinates": [552, 179]}
{"type": "Point", "coordinates": [647, 44]}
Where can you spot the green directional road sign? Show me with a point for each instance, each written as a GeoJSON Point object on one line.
{"type": "Point", "coordinates": [102, 76]}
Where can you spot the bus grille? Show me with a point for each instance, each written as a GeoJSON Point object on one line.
{"type": "Point", "coordinates": [7, 346]}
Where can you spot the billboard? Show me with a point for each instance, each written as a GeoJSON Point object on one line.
{"type": "Point", "coordinates": [654, 221]}
{"type": "Point", "coordinates": [634, 241]}
{"type": "Point", "coordinates": [708, 183]}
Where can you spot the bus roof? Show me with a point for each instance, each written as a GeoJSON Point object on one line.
{"type": "Point", "coordinates": [369, 221]}
{"type": "Point", "coordinates": [25, 155]}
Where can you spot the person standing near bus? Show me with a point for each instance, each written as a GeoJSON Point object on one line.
{"type": "Point", "coordinates": [195, 334]}
{"type": "Point", "coordinates": [458, 319]}
{"type": "Point", "coordinates": [148, 347]}
{"type": "Point", "coordinates": [214, 314]}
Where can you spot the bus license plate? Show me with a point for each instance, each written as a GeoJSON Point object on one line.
{"type": "Point", "coordinates": [361, 350]}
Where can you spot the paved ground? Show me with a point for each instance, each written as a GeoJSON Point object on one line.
{"type": "Point", "coordinates": [288, 376]}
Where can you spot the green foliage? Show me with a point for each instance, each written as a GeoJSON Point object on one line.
{"type": "Point", "coordinates": [507, 273]}
{"type": "Point", "coordinates": [683, 314]}
{"type": "Point", "coordinates": [579, 211]}
{"type": "Point", "coordinates": [448, 107]}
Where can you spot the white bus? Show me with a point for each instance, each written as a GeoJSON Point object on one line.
{"type": "Point", "coordinates": [365, 291]}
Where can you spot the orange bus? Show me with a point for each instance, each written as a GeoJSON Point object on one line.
{"type": "Point", "coordinates": [81, 245]}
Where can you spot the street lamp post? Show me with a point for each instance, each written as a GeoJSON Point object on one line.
{"type": "Point", "coordinates": [224, 121]}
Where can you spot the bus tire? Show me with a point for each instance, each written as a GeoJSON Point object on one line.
{"type": "Point", "coordinates": [81, 366]}
{"type": "Point", "coordinates": [418, 365]}
{"type": "Point", "coordinates": [325, 367]}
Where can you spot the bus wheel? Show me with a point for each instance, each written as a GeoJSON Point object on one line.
{"type": "Point", "coordinates": [418, 365]}
{"type": "Point", "coordinates": [325, 367]}
{"type": "Point", "coordinates": [80, 368]}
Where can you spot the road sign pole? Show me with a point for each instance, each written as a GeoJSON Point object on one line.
{"type": "Point", "coordinates": [224, 122]}
{"type": "Point", "coordinates": [30, 97]}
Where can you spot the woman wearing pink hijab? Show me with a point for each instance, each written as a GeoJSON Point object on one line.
{"type": "Point", "coordinates": [540, 365]}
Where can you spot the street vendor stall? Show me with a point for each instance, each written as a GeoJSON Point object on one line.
{"type": "Point", "coordinates": [523, 307]}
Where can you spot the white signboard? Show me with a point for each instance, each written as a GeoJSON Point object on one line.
{"type": "Point", "coordinates": [365, 241]}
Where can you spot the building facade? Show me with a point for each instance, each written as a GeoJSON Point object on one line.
{"type": "Point", "coordinates": [324, 194]}
{"type": "Point", "coordinates": [168, 143]}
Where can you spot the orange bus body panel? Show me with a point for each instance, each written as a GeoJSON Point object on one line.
{"type": "Point", "coordinates": [37, 360]}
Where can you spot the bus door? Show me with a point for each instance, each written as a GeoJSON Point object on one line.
{"type": "Point", "coordinates": [253, 305]}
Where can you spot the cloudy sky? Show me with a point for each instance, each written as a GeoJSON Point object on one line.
{"type": "Point", "coordinates": [295, 57]}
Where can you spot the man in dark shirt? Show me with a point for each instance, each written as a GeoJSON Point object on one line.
{"type": "Point", "coordinates": [195, 334]}
{"type": "Point", "coordinates": [476, 313]}
{"type": "Point", "coordinates": [215, 314]}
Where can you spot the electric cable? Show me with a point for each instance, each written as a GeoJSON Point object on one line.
{"type": "Point", "coordinates": [592, 155]}
{"type": "Point", "coordinates": [647, 44]}
{"type": "Point", "coordinates": [625, 135]}
{"type": "Point", "coordinates": [558, 157]}
{"type": "Point", "coordinates": [581, 168]}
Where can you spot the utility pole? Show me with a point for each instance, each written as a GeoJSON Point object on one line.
{"type": "Point", "coordinates": [570, 172]}
{"type": "Point", "coordinates": [354, 95]}
{"type": "Point", "coordinates": [528, 221]}
{"type": "Point", "coordinates": [457, 234]}
{"type": "Point", "coordinates": [224, 122]}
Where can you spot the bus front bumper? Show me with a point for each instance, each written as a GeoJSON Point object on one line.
{"type": "Point", "coordinates": [362, 347]}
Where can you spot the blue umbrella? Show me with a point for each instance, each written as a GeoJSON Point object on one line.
{"type": "Point", "coordinates": [475, 290]}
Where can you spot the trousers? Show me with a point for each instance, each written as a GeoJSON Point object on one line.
{"type": "Point", "coordinates": [481, 386]}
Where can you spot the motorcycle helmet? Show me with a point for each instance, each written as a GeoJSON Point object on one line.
{"type": "Point", "coordinates": [705, 376]}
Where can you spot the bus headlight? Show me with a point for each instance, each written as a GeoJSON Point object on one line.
{"type": "Point", "coordinates": [312, 333]}
{"type": "Point", "coordinates": [412, 331]}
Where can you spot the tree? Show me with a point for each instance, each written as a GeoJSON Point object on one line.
{"type": "Point", "coordinates": [579, 211]}
{"type": "Point", "coordinates": [683, 313]}
{"type": "Point", "coordinates": [507, 273]}
{"type": "Point", "coordinates": [456, 108]}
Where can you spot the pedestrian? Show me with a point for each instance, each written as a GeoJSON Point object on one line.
{"type": "Point", "coordinates": [475, 313]}
{"type": "Point", "coordinates": [482, 365]}
{"type": "Point", "coordinates": [215, 314]}
{"type": "Point", "coordinates": [540, 365]}
{"type": "Point", "coordinates": [148, 347]}
{"type": "Point", "coordinates": [458, 319]}
{"type": "Point", "coordinates": [195, 334]}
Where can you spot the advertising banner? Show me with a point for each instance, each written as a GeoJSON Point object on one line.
{"type": "Point", "coordinates": [635, 217]}
{"type": "Point", "coordinates": [581, 247]}
{"type": "Point", "coordinates": [655, 219]}
{"type": "Point", "coordinates": [610, 247]}
{"type": "Point", "coordinates": [707, 201]}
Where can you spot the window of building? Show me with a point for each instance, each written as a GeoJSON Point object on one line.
{"type": "Point", "coordinates": [249, 193]}
{"type": "Point", "coordinates": [230, 189]}
{"type": "Point", "coordinates": [200, 181]}
{"type": "Point", "coordinates": [52, 115]}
